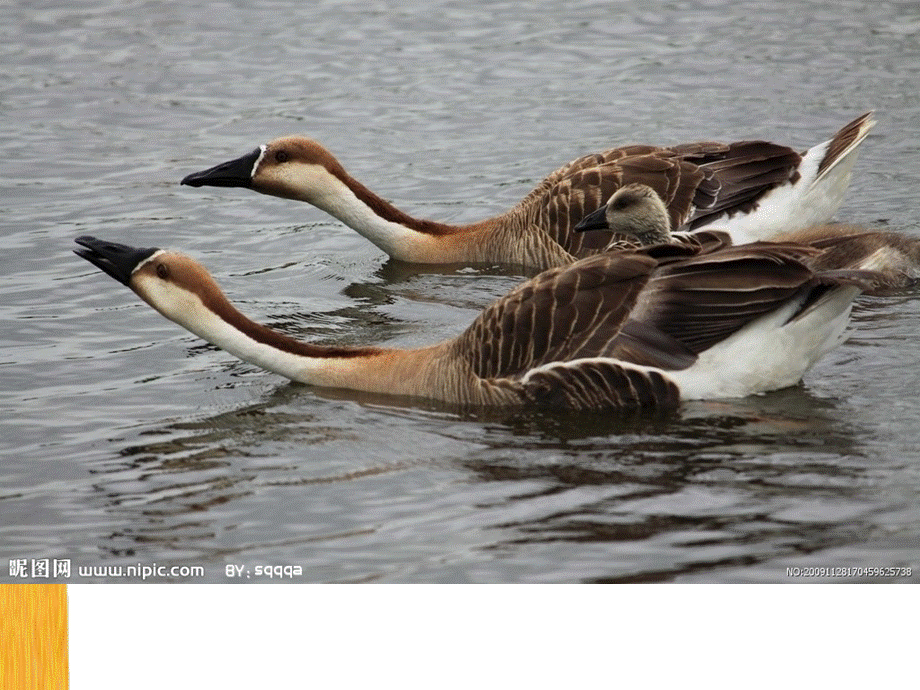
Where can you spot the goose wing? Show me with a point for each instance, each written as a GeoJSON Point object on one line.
{"type": "Point", "coordinates": [563, 314]}
{"type": "Point", "coordinates": [697, 182]}
{"type": "Point", "coordinates": [606, 330]}
{"type": "Point", "coordinates": [893, 257]}
{"type": "Point", "coordinates": [701, 300]}
{"type": "Point", "coordinates": [658, 307]}
{"type": "Point", "coordinates": [584, 185]}
{"type": "Point", "coordinates": [687, 306]}
{"type": "Point", "coordinates": [737, 178]}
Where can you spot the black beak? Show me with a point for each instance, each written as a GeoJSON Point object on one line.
{"type": "Point", "coordinates": [596, 220]}
{"type": "Point", "coordinates": [235, 173]}
{"type": "Point", "coordinates": [118, 260]}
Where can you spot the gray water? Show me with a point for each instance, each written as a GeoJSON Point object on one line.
{"type": "Point", "coordinates": [126, 441]}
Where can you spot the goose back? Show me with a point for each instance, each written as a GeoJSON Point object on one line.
{"type": "Point", "coordinates": [660, 306]}
{"type": "Point", "coordinates": [696, 181]}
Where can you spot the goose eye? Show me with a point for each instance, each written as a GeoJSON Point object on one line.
{"type": "Point", "coordinates": [163, 271]}
{"type": "Point", "coordinates": [281, 156]}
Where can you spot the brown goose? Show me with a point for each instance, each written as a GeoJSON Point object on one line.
{"type": "Point", "coordinates": [618, 330]}
{"type": "Point", "coordinates": [752, 189]}
{"type": "Point", "coordinates": [637, 217]}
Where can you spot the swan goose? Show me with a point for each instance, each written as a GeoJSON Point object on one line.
{"type": "Point", "coordinates": [753, 189]}
{"type": "Point", "coordinates": [641, 329]}
{"type": "Point", "coordinates": [637, 217]}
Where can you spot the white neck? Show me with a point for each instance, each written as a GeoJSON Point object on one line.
{"type": "Point", "coordinates": [319, 371]}
{"type": "Point", "coordinates": [396, 239]}
{"type": "Point", "coordinates": [396, 233]}
{"type": "Point", "coordinates": [210, 316]}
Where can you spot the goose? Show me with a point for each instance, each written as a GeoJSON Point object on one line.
{"type": "Point", "coordinates": [621, 330]}
{"type": "Point", "coordinates": [637, 217]}
{"type": "Point", "coordinates": [754, 189]}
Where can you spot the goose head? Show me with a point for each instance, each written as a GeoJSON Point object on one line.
{"type": "Point", "coordinates": [174, 284]}
{"type": "Point", "coordinates": [635, 210]}
{"type": "Point", "coordinates": [292, 167]}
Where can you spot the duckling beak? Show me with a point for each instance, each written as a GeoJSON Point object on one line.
{"type": "Point", "coordinates": [596, 220]}
{"type": "Point", "coordinates": [235, 173]}
{"type": "Point", "coordinates": [118, 260]}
